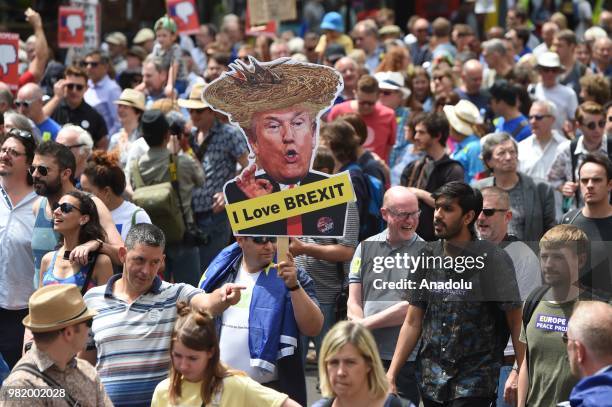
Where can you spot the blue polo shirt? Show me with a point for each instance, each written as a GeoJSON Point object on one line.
{"type": "Point", "coordinates": [49, 126]}
{"type": "Point", "coordinates": [511, 127]}
{"type": "Point", "coordinates": [467, 152]}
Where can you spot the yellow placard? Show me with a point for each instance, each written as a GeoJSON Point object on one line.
{"type": "Point", "coordinates": [311, 197]}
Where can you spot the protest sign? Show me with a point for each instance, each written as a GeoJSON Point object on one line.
{"type": "Point", "coordinates": [185, 14]}
{"type": "Point", "coordinates": [9, 59]}
{"type": "Point", "coordinates": [71, 27]}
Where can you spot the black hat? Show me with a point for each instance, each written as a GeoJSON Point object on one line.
{"type": "Point", "coordinates": [154, 127]}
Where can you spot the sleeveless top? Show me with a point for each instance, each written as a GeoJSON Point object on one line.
{"type": "Point", "coordinates": [77, 279]}
{"type": "Point", "coordinates": [44, 238]}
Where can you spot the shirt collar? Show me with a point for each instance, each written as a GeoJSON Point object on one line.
{"type": "Point", "coordinates": [405, 243]}
{"type": "Point", "coordinates": [43, 361]}
{"type": "Point", "coordinates": [108, 291]}
{"type": "Point", "coordinates": [581, 149]}
{"type": "Point", "coordinates": [101, 83]}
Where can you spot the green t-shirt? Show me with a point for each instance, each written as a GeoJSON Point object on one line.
{"type": "Point", "coordinates": [550, 378]}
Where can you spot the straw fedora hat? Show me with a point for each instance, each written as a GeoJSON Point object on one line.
{"type": "Point", "coordinates": [463, 116]}
{"type": "Point", "coordinates": [133, 98]}
{"type": "Point", "coordinates": [54, 307]}
{"type": "Point", "coordinates": [284, 83]}
{"type": "Point", "coordinates": [195, 98]}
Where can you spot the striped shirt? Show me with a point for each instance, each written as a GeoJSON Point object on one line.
{"type": "Point", "coordinates": [323, 272]}
{"type": "Point", "coordinates": [133, 340]}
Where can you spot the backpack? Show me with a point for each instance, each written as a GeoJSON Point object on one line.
{"type": "Point", "coordinates": [531, 303]}
{"type": "Point", "coordinates": [161, 201]}
{"type": "Point", "coordinates": [371, 221]}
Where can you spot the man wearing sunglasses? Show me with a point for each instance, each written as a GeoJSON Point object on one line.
{"type": "Point", "coordinates": [563, 174]}
{"type": "Point", "coordinates": [565, 99]}
{"type": "Point", "coordinates": [53, 171]}
{"type": "Point", "coordinates": [60, 322]}
{"type": "Point", "coordinates": [492, 225]}
{"type": "Point", "coordinates": [102, 91]}
{"type": "Point", "coordinates": [382, 126]}
{"type": "Point", "coordinates": [260, 335]}
{"type": "Point", "coordinates": [68, 106]}
{"type": "Point", "coordinates": [29, 103]}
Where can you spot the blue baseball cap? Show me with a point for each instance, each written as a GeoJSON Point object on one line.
{"type": "Point", "coordinates": [332, 21]}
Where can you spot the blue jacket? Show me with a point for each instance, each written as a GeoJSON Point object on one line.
{"type": "Point", "coordinates": [593, 391]}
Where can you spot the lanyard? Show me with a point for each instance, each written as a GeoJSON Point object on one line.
{"type": "Point", "coordinates": [6, 198]}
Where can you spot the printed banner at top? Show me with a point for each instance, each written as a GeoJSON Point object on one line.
{"type": "Point", "coordinates": [9, 59]}
{"type": "Point", "coordinates": [185, 14]}
{"type": "Point", "coordinates": [71, 27]}
{"type": "Point", "coordinates": [281, 205]}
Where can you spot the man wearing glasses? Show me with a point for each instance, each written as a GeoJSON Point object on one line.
{"type": "Point", "coordinates": [382, 126]}
{"type": "Point", "coordinates": [260, 334]}
{"type": "Point", "coordinates": [29, 103]}
{"type": "Point", "coordinates": [102, 91]}
{"type": "Point", "coordinates": [383, 310]}
{"type": "Point", "coordinates": [68, 106]}
{"type": "Point", "coordinates": [563, 174]}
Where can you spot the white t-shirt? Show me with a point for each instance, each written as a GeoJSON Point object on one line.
{"type": "Point", "coordinates": [234, 340]}
{"type": "Point", "coordinates": [122, 216]}
{"type": "Point", "coordinates": [563, 97]}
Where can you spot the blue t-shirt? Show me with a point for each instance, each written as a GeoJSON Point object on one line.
{"type": "Point", "coordinates": [49, 126]}
{"type": "Point", "coordinates": [513, 125]}
{"type": "Point", "coordinates": [467, 152]}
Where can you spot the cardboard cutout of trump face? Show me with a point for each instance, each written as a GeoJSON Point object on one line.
{"type": "Point", "coordinates": [278, 106]}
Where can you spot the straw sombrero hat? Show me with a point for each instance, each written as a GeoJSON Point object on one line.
{"type": "Point", "coordinates": [260, 87]}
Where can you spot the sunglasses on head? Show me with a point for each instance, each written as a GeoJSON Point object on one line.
{"type": "Point", "coordinates": [488, 212]}
{"type": "Point", "coordinates": [42, 170]}
{"type": "Point", "coordinates": [93, 64]}
{"type": "Point", "coordinates": [73, 86]}
{"type": "Point", "coordinates": [387, 92]}
{"type": "Point", "coordinates": [24, 103]}
{"type": "Point", "coordinates": [263, 239]}
{"type": "Point", "coordinates": [538, 117]}
{"type": "Point", "coordinates": [65, 207]}
{"type": "Point", "coordinates": [593, 125]}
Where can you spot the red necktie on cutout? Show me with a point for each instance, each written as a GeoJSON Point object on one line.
{"type": "Point", "coordinates": [294, 223]}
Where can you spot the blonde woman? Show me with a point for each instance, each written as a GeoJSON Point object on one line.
{"type": "Point", "coordinates": [350, 370]}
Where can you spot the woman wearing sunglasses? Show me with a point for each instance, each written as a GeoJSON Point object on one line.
{"type": "Point", "coordinates": [198, 378]}
{"type": "Point", "coordinates": [75, 218]}
{"type": "Point", "coordinates": [350, 370]}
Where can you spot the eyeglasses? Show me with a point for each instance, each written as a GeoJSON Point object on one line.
{"type": "Point", "coordinates": [198, 111]}
{"type": "Point", "coordinates": [438, 78]}
{"type": "Point", "coordinates": [76, 145]}
{"type": "Point", "coordinates": [488, 212]}
{"type": "Point", "coordinates": [11, 151]}
{"type": "Point", "coordinates": [42, 170]}
{"type": "Point", "coordinates": [538, 117]}
{"type": "Point", "coordinates": [93, 64]}
{"type": "Point", "coordinates": [65, 207]}
{"type": "Point", "coordinates": [387, 92]}
{"type": "Point", "coordinates": [263, 239]}
{"type": "Point", "coordinates": [89, 323]}
{"type": "Point", "coordinates": [25, 103]}
{"type": "Point", "coordinates": [73, 86]}
{"type": "Point", "coordinates": [548, 70]}
{"type": "Point", "coordinates": [404, 215]}
{"type": "Point", "coordinates": [593, 125]}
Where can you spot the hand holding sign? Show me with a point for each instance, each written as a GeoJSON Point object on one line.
{"type": "Point", "coordinates": [287, 271]}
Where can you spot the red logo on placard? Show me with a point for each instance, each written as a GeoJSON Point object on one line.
{"type": "Point", "coordinates": [71, 27]}
{"type": "Point", "coordinates": [185, 14]}
{"type": "Point", "coordinates": [9, 59]}
{"type": "Point", "coordinates": [325, 224]}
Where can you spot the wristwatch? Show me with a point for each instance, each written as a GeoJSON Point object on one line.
{"type": "Point", "coordinates": [297, 286]}
{"type": "Point", "coordinates": [101, 244]}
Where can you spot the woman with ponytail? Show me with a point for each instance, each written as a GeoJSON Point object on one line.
{"type": "Point", "coordinates": [104, 178]}
{"type": "Point", "coordinates": [197, 376]}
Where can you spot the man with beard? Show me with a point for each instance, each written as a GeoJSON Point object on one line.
{"type": "Point", "coordinates": [463, 331]}
{"type": "Point", "coordinates": [16, 225]}
{"type": "Point", "coordinates": [52, 171]}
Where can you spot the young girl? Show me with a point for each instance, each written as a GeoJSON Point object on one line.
{"type": "Point", "coordinates": [197, 377]}
{"type": "Point", "coordinates": [171, 53]}
{"type": "Point", "coordinates": [76, 219]}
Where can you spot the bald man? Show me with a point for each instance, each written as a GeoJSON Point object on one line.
{"type": "Point", "coordinates": [373, 303]}
{"type": "Point", "coordinates": [589, 350]}
{"type": "Point", "coordinates": [29, 103]}
{"type": "Point", "coordinates": [471, 85]}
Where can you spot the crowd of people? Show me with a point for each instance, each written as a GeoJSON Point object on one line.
{"type": "Point", "coordinates": [474, 266]}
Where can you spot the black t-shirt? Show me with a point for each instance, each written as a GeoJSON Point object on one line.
{"type": "Point", "coordinates": [598, 274]}
{"type": "Point", "coordinates": [85, 116]}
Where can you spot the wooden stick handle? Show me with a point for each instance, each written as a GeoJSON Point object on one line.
{"type": "Point", "coordinates": [282, 247]}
